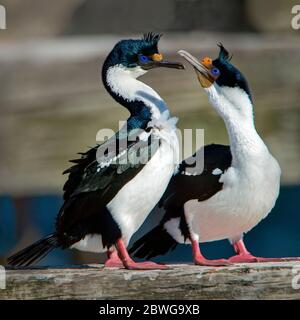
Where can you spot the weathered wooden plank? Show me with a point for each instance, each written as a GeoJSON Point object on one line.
{"type": "Point", "coordinates": [245, 281]}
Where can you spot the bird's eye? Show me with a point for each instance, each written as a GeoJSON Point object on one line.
{"type": "Point", "coordinates": [143, 58]}
{"type": "Point", "coordinates": [215, 71]}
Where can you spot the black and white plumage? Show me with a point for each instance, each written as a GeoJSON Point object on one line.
{"type": "Point", "coordinates": [187, 184]}
{"type": "Point", "coordinates": [238, 186]}
{"type": "Point", "coordinates": [111, 189]}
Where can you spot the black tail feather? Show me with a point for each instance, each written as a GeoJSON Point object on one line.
{"type": "Point", "coordinates": [34, 252]}
{"type": "Point", "coordinates": [154, 243]}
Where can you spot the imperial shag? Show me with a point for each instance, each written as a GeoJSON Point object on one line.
{"type": "Point", "coordinates": [112, 188]}
{"type": "Point", "coordinates": [238, 185]}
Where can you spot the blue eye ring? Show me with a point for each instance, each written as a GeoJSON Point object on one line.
{"type": "Point", "coordinates": [215, 71]}
{"type": "Point", "coordinates": [143, 58]}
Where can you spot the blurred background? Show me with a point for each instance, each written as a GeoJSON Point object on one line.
{"type": "Point", "coordinates": [52, 101]}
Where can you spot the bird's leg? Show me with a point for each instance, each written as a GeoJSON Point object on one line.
{"type": "Point", "coordinates": [244, 256]}
{"type": "Point", "coordinates": [128, 263]}
{"type": "Point", "coordinates": [200, 260]}
{"type": "Point", "coordinates": [113, 260]}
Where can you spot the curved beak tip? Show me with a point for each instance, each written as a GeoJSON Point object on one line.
{"type": "Point", "coordinates": [192, 60]}
{"type": "Point", "coordinates": [202, 71]}
{"type": "Point", "coordinates": [181, 52]}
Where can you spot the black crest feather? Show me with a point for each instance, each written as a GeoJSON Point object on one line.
{"type": "Point", "coordinates": [224, 54]}
{"type": "Point", "coordinates": [151, 37]}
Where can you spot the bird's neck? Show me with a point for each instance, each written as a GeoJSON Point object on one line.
{"type": "Point", "coordinates": [143, 103]}
{"type": "Point", "coordinates": [245, 142]}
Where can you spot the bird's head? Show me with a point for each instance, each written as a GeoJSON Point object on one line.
{"type": "Point", "coordinates": [224, 83]}
{"type": "Point", "coordinates": [136, 57]}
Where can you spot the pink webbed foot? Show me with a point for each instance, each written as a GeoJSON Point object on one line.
{"type": "Point", "coordinates": [129, 264]}
{"type": "Point", "coordinates": [113, 260]}
{"type": "Point", "coordinates": [147, 265]}
{"type": "Point", "coordinates": [249, 258]}
{"type": "Point", "coordinates": [200, 260]}
{"type": "Point", "coordinates": [214, 263]}
{"type": "Point", "coordinates": [244, 256]}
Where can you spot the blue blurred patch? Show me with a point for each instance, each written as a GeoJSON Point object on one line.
{"type": "Point", "coordinates": [277, 235]}
{"type": "Point", "coordinates": [7, 225]}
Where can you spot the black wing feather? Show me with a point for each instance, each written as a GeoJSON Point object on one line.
{"type": "Point", "coordinates": [91, 187]}
{"type": "Point", "coordinates": [204, 184]}
{"type": "Point", "coordinates": [76, 172]}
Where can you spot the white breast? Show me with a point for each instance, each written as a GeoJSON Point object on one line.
{"type": "Point", "coordinates": [248, 195]}
{"type": "Point", "coordinates": [136, 199]}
